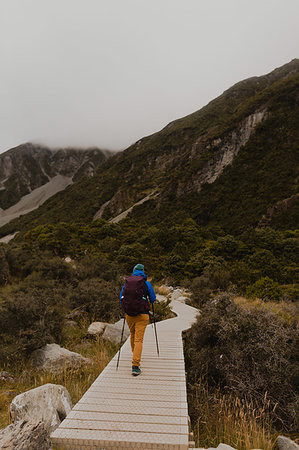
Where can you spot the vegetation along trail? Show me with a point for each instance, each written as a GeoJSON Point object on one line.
{"type": "Point", "coordinates": [209, 206]}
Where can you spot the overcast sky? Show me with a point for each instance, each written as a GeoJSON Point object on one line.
{"type": "Point", "coordinates": [107, 72]}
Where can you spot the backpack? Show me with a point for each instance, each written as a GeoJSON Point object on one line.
{"type": "Point", "coordinates": [134, 296]}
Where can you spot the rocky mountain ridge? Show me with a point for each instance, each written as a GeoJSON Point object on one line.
{"type": "Point", "coordinates": [29, 166]}
{"type": "Point", "coordinates": [227, 163]}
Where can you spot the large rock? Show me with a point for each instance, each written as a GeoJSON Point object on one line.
{"type": "Point", "coordinates": [113, 332]}
{"type": "Point", "coordinates": [285, 443]}
{"type": "Point", "coordinates": [48, 404]}
{"type": "Point", "coordinates": [24, 435]}
{"type": "Point", "coordinates": [54, 358]}
{"type": "Point", "coordinates": [222, 447]}
{"type": "Point", "coordinates": [96, 328]}
{"type": "Point", "coordinates": [176, 293]}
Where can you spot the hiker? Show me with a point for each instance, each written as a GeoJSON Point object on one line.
{"type": "Point", "coordinates": [134, 297]}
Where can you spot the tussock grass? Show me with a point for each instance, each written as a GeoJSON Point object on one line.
{"type": "Point", "coordinates": [162, 290]}
{"type": "Point", "coordinates": [288, 311]}
{"type": "Point", "coordinates": [77, 381]}
{"type": "Point", "coordinates": [219, 417]}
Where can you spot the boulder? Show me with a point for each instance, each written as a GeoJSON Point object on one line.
{"type": "Point", "coordinates": [168, 288]}
{"type": "Point", "coordinates": [285, 443]}
{"type": "Point", "coordinates": [222, 447]}
{"type": "Point", "coordinates": [96, 328]}
{"type": "Point", "coordinates": [54, 358]}
{"type": "Point", "coordinates": [113, 332]}
{"type": "Point", "coordinates": [48, 404]}
{"type": "Point", "coordinates": [71, 323]}
{"type": "Point", "coordinates": [176, 293]}
{"type": "Point", "coordinates": [24, 435]}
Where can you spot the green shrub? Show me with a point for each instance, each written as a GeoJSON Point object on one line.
{"type": "Point", "coordinates": [246, 351]}
{"type": "Point", "coordinates": [22, 259]}
{"type": "Point", "coordinates": [99, 298]}
{"type": "Point", "coordinates": [29, 319]}
{"type": "Point", "coordinates": [290, 293]}
{"type": "Point", "coordinates": [265, 289]}
{"type": "Point", "coordinates": [162, 310]}
{"type": "Point", "coordinates": [56, 269]}
{"type": "Point", "coordinates": [97, 265]}
{"type": "Point", "coordinates": [201, 290]}
{"type": "Point", "coordinates": [4, 268]}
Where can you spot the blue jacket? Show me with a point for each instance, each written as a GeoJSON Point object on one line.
{"type": "Point", "coordinates": [151, 292]}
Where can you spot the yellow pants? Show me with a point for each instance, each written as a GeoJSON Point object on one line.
{"type": "Point", "coordinates": [137, 325]}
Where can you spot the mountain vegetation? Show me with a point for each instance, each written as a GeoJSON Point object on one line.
{"type": "Point", "coordinates": [219, 217]}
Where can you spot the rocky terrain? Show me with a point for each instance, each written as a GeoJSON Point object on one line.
{"type": "Point", "coordinates": [30, 174]}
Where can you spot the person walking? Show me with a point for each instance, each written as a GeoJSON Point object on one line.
{"type": "Point", "coordinates": [135, 296]}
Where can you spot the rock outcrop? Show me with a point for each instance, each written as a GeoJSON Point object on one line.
{"type": "Point", "coordinates": [48, 404]}
{"type": "Point", "coordinates": [96, 328]}
{"type": "Point", "coordinates": [285, 443]}
{"type": "Point", "coordinates": [54, 358]}
{"type": "Point", "coordinates": [227, 148]}
{"type": "Point", "coordinates": [24, 435]}
{"type": "Point", "coordinates": [30, 174]}
{"type": "Point", "coordinates": [113, 332]}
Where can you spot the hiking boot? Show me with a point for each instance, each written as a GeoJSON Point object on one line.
{"type": "Point", "coordinates": [135, 371]}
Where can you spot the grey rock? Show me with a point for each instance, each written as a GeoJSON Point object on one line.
{"type": "Point", "coordinates": [222, 447]}
{"type": "Point", "coordinates": [24, 435]}
{"type": "Point", "coordinates": [48, 404]}
{"type": "Point", "coordinates": [113, 332]}
{"type": "Point", "coordinates": [96, 328]}
{"type": "Point", "coordinates": [54, 358]}
{"type": "Point", "coordinates": [71, 323]}
{"type": "Point", "coordinates": [285, 443]}
{"type": "Point", "coordinates": [176, 294]}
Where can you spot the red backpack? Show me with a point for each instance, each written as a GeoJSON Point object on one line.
{"type": "Point", "coordinates": [134, 296]}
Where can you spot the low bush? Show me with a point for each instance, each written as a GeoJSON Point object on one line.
{"type": "Point", "coordinates": [4, 268]}
{"type": "Point", "coordinates": [265, 289]}
{"type": "Point", "coordinates": [162, 310]}
{"type": "Point", "coordinates": [99, 298]}
{"type": "Point", "coordinates": [29, 318]}
{"type": "Point", "coordinates": [248, 352]}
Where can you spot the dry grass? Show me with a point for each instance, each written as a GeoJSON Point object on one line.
{"type": "Point", "coordinates": [288, 311]}
{"type": "Point", "coordinates": [162, 290]}
{"type": "Point", "coordinates": [224, 418]}
{"type": "Point", "coordinates": [77, 381]}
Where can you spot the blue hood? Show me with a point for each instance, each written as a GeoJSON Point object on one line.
{"type": "Point", "coordinates": [139, 273]}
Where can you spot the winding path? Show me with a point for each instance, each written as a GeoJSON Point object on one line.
{"type": "Point", "coordinates": [150, 411]}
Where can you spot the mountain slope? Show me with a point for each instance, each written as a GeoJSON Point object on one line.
{"type": "Point", "coordinates": [225, 164]}
{"type": "Point", "coordinates": [30, 174]}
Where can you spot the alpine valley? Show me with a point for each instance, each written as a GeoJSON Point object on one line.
{"type": "Point", "coordinates": [209, 204]}
{"type": "Point", "coordinates": [233, 164]}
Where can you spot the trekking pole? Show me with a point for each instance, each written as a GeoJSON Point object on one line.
{"type": "Point", "coordinates": [155, 330]}
{"type": "Point", "coordinates": [121, 340]}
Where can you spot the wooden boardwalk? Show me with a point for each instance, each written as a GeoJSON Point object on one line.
{"type": "Point", "coordinates": [150, 411]}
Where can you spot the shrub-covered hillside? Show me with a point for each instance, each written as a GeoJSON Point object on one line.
{"type": "Point", "coordinates": [226, 164]}
{"type": "Point", "coordinates": [220, 219]}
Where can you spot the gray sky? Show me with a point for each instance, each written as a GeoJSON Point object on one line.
{"type": "Point", "coordinates": [108, 72]}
